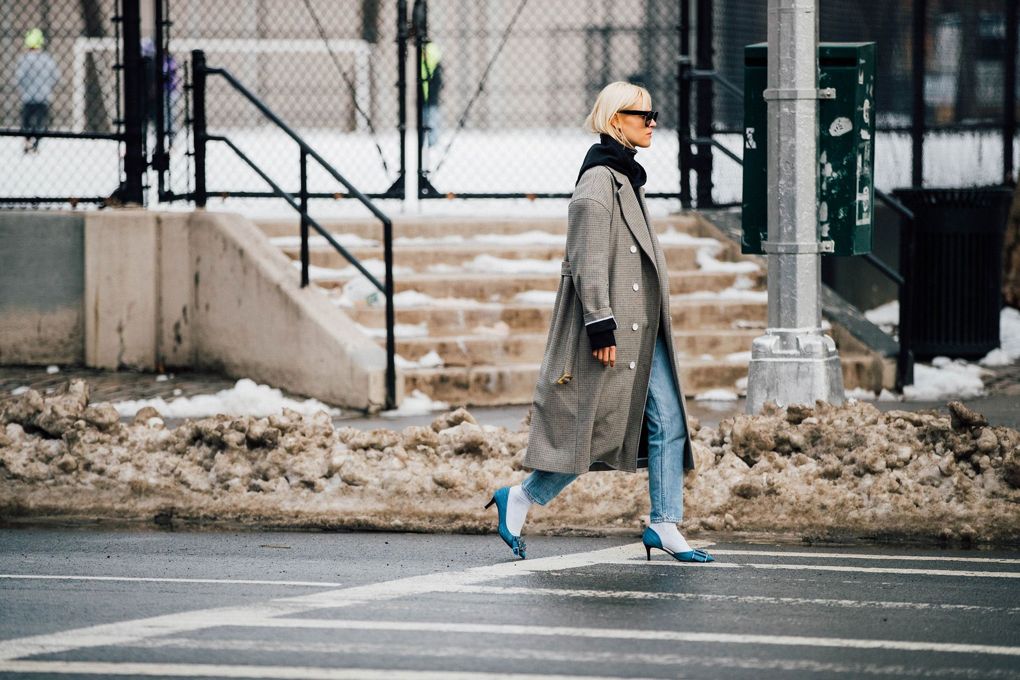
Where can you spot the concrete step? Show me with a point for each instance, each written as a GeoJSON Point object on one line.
{"type": "Point", "coordinates": [421, 257]}
{"type": "Point", "coordinates": [521, 317]}
{"type": "Point", "coordinates": [437, 227]}
{"type": "Point", "coordinates": [490, 385]}
{"type": "Point", "coordinates": [503, 287]}
{"type": "Point", "coordinates": [473, 350]}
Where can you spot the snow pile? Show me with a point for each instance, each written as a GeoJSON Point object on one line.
{"type": "Point", "coordinates": [822, 471]}
{"type": "Point", "coordinates": [246, 397]}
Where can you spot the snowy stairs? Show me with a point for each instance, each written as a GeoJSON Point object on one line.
{"type": "Point", "coordinates": [474, 301]}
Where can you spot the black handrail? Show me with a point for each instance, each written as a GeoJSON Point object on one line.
{"type": "Point", "coordinates": [300, 204]}
{"type": "Point", "coordinates": [902, 279]}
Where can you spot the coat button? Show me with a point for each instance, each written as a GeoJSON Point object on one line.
{"type": "Point", "coordinates": [636, 286]}
{"type": "Point", "coordinates": [633, 249]}
{"type": "Point", "coordinates": [632, 364]}
{"type": "Point", "coordinates": [634, 326]}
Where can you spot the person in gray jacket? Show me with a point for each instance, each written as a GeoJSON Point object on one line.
{"type": "Point", "coordinates": [608, 395]}
{"type": "Point", "coordinates": [36, 75]}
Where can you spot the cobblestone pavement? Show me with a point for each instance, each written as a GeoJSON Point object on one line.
{"type": "Point", "coordinates": [1001, 404]}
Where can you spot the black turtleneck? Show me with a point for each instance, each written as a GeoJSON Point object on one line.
{"type": "Point", "coordinates": [617, 156]}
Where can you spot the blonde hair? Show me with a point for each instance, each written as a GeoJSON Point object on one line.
{"type": "Point", "coordinates": [613, 97]}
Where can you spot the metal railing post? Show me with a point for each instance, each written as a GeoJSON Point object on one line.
{"type": "Point", "coordinates": [683, 86]}
{"type": "Point", "coordinates": [917, 122]}
{"type": "Point", "coordinates": [391, 346]}
{"type": "Point", "coordinates": [905, 359]}
{"type": "Point", "coordinates": [401, 184]}
{"type": "Point", "coordinates": [706, 94]}
{"type": "Point", "coordinates": [1009, 93]}
{"type": "Point", "coordinates": [303, 202]}
{"type": "Point", "coordinates": [160, 158]}
{"type": "Point", "coordinates": [199, 75]}
{"type": "Point", "coordinates": [134, 103]}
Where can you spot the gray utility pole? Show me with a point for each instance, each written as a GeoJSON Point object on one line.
{"type": "Point", "coordinates": [794, 362]}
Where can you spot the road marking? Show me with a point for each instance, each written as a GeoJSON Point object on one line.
{"type": "Point", "coordinates": [631, 634]}
{"type": "Point", "coordinates": [582, 655]}
{"type": "Point", "coordinates": [246, 582]}
{"type": "Point", "coordinates": [867, 556]}
{"type": "Point", "coordinates": [892, 570]}
{"type": "Point", "coordinates": [817, 567]}
{"type": "Point", "coordinates": [113, 634]}
{"type": "Point", "coordinates": [739, 599]}
{"type": "Point", "coordinates": [190, 670]}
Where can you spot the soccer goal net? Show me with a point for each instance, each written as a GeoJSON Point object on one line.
{"type": "Point", "coordinates": [307, 82]}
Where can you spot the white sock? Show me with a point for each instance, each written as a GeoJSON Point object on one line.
{"type": "Point", "coordinates": [670, 536]}
{"type": "Point", "coordinates": [516, 509]}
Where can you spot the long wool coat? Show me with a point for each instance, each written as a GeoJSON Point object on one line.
{"type": "Point", "coordinates": [586, 416]}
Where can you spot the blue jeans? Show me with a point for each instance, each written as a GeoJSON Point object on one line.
{"type": "Point", "coordinates": [666, 434]}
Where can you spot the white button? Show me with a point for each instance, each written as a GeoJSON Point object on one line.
{"type": "Point", "coordinates": [632, 364]}
{"type": "Point", "coordinates": [636, 286]}
{"type": "Point", "coordinates": [634, 326]}
{"type": "Point", "coordinates": [633, 249]}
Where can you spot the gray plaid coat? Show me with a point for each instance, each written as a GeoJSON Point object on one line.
{"type": "Point", "coordinates": [586, 416]}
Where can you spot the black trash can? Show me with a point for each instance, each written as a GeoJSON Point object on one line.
{"type": "Point", "coordinates": [955, 269]}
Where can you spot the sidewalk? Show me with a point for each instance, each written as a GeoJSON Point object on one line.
{"type": "Point", "coordinates": [1001, 404]}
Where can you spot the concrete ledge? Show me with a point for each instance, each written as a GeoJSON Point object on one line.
{"type": "Point", "coordinates": [208, 290]}
{"type": "Point", "coordinates": [41, 288]}
{"type": "Point", "coordinates": [251, 317]}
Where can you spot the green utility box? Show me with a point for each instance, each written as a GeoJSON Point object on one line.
{"type": "Point", "coordinates": [845, 147]}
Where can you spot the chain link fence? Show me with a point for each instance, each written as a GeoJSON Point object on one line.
{"type": "Point", "coordinates": [59, 101]}
{"type": "Point", "coordinates": [328, 69]}
{"type": "Point", "coordinates": [963, 84]}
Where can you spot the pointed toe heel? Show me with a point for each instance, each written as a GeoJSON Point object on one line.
{"type": "Point", "coordinates": [516, 543]}
{"type": "Point", "coordinates": [650, 539]}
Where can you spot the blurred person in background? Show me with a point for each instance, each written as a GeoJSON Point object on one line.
{"type": "Point", "coordinates": [432, 84]}
{"type": "Point", "coordinates": [36, 75]}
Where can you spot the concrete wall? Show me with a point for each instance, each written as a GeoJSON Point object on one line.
{"type": "Point", "coordinates": [151, 291]}
{"type": "Point", "coordinates": [41, 286]}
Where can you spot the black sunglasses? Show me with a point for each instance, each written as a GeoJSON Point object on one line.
{"type": "Point", "coordinates": [649, 115]}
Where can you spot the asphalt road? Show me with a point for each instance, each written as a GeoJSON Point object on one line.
{"type": "Point", "coordinates": [88, 603]}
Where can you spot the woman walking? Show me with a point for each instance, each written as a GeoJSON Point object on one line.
{"type": "Point", "coordinates": [609, 398]}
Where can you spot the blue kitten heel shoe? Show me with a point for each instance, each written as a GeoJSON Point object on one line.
{"type": "Point", "coordinates": [652, 540]}
{"type": "Point", "coordinates": [500, 498]}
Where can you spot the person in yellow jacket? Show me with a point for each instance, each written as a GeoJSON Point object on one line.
{"type": "Point", "coordinates": [432, 84]}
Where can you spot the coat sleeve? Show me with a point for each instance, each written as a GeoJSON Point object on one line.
{"type": "Point", "coordinates": [588, 252]}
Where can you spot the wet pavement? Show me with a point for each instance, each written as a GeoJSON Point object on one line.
{"type": "Point", "coordinates": [396, 605]}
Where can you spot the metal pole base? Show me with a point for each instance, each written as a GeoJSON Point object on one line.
{"type": "Point", "coordinates": [793, 367]}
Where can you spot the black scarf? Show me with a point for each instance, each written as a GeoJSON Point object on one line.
{"type": "Point", "coordinates": [617, 156]}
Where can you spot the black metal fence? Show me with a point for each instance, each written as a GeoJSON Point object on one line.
{"type": "Point", "coordinates": [499, 93]}
{"type": "Point", "coordinates": [946, 74]}
{"type": "Point", "coordinates": [61, 122]}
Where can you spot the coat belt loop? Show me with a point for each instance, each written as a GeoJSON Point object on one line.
{"type": "Point", "coordinates": [565, 268]}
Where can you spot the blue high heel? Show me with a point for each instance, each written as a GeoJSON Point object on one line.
{"type": "Point", "coordinates": [500, 498]}
{"type": "Point", "coordinates": [651, 539]}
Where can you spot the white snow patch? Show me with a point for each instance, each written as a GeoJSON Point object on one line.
{"type": "Point", "coordinates": [741, 357]}
{"type": "Point", "coordinates": [429, 360]}
{"type": "Point", "coordinates": [19, 390]}
{"type": "Point", "coordinates": [536, 297]}
{"type": "Point", "coordinates": [53, 369]}
{"type": "Point", "coordinates": [245, 398]}
{"type": "Point", "coordinates": [718, 394]}
{"type": "Point", "coordinates": [417, 403]}
{"type": "Point", "coordinates": [414, 298]}
{"type": "Point", "coordinates": [945, 378]}
{"type": "Point", "coordinates": [707, 262]}
{"type": "Point", "coordinates": [346, 240]}
{"type": "Point", "coordinates": [400, 330]}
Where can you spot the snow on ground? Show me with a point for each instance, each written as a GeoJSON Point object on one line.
{"type": "Point", "coordinates": [416, 403]}
{"type": "Point", "coordinates": [346, 240]}
{"type": "Point", "coordinates": [719, 394]}
{"type": "Point", "coordinates": [429, 360]}
{"type": "Point", "coordinates": [536, 297]}
{"type": "Point", "coordinates": [945, 377]}
{"type": "Point", "coordinates": [549, 164]}
{"type": "Point", "coordinates": [490, 264]}
{"type": "Point", "coordinates": [846, 470]}
{"type": "Point", "coordinates": [245, 398]}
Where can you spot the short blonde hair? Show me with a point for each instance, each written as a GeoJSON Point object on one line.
{"type": "Point", "coordinates": [613, 97]}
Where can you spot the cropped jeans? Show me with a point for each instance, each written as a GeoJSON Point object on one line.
{"type": "Point", "coordinates": [666, 433]}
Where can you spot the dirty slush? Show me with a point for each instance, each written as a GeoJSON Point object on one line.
{"type": "Point", "coordinates": [824, 471]}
